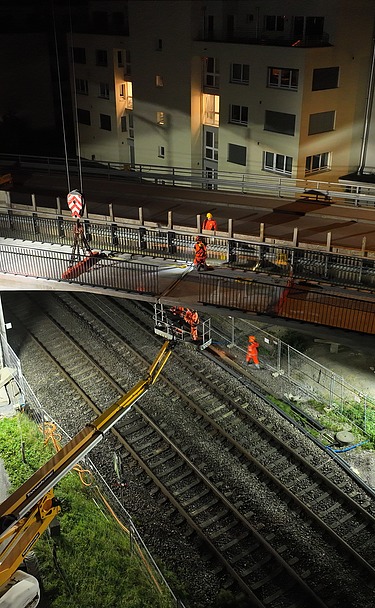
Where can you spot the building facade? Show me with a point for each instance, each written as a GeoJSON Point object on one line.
{"type": "Point", "coordinates": [240, 86]}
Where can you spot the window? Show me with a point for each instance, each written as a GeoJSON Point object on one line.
{"type": "Point", "coordinates": [211, 108]}
{"type": "Point", "coordinates": [82, 86]}
{"type": "Point", "coordinates": [237, 154]}
{"type": "Point", "coordinates": [325, 78]}
{"type": "Point", "coordinates": [160, 118]}
{"type": "Point", "coordinates": [79, 55]}
{"type": "Point", "coordinates": [280, 122]}
{"type": "Point", "coordinates": [126, 93]}
{"type": "Point", "coordinates": [104, 90]}
{"type": "Point", "coordinates": [211, 74]}
{"type": "Point", "coordinates": [83, 116]}
{"type": "Point", "coordinates": [321, 122]}
{"type": "Point", "coordinates": [159, 81]}
{"type": "Point", "coordinates": [283, 78]}
{"type": "Point", "coordinates": [239, 73]}
{"type": "Point", "coordinates": [211, 145]}
{"type": "Point", "coordinates": [318, 162]}
{"type": "Point", "coordinates": [105, 122]}
{"type": "Point", "coordinates": [159, 44]}
{"type": "Point", "coordinates": [120, 61]}
{"type": "Point", "coordinates": [161, 152]}
{"type": "Point", "coordinates": [274, 23]}
{"type": "Point", "coordinates": [127, 66]}
{"type": "Point", "coordinates": [238, 114]}
{"type": "Point", "coordinates": [101, 58]}
{"type": "Point", "coordinates": [277, 163]}
{"type": "Point", "coordinates": [127, 124]}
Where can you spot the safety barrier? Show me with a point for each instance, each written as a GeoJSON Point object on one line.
{"type": "Point", "coordinates": [312, 264]}
{"type": "Point", "coordinates": [118, 274]}
{"type": "Point", "coordinates": [283, 298]}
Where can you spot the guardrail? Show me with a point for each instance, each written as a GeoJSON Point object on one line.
{"type": "Point", "coordinates": [256, 256]}
{"type": "Point", "coordinates": [285, 299]}
{"type": "Point", "coordinates": [267, 184]}
{"type": "Point", "coordinates": [120, 275]}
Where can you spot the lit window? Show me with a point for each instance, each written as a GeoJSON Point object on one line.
{"type": "Point", "coordinates": [283, 78]}
{"type": "Point", "coordinates": [161, 152]}
{"type": "Point", "coordinates": [277, 163]}
{"type": "Point", "coordinates": [238, 114]}
{"type": "Point", "coordinates": [211, 73]}
{"type": "Point", "coordinates": [239, 73]}
{"type": "Point", "coordinates": [104, 90]}
{"type": "Point", "coordinates": [211, 109]}
{"type": "Point", "coordinates": [160, 118]}
{"type": "Point", "coordinates": [318, 162]}
{"type": "Point", "coordinates": [126, 94]}
{"type": "Point", "coordinates": [159, 81]}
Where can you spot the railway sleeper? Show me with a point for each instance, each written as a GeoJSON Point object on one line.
{"type": "Point", "coordinates": [187, 488]}
{"type": "Point", "coordinates": [175, 480]}
{"type": "Point", "coordinates": [204, 507]}
{"type": "Point", "coordinates": [148, 444]}
{"type": "Point", "coordinates": [223, 530]}
{"type": "Point", "coordinates": [234, 542]}
{"type": "Point", "coordinates": [195, 498]}
{"type": "Point", "coordinates": [333, 508]}
{"type": "Point", "coordinates": [162, 461]}
{"type": "Point", "coordinates": [257, 566]}
{"type": "Point", "coordinates": [180, 463]}
{"type": "Point", "coordinates": [354, 532]}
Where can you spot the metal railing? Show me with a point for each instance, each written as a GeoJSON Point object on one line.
{"type": "Point", "coordinates": [118, 274]}
{"type": "Point", "coordinates": [246, 183]}
{"type": "Point", "coordinates": [284, 299]}
{"type": "Point", "coordinates": [316, 265]}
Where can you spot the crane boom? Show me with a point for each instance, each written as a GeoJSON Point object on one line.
{"type": "Point", "coordinates": [26, 513]}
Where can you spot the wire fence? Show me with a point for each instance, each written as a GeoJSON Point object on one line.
{"type": "Point", "coordinates": [41, 417]}
{"type": "Point", "coordinates": [314, 381]}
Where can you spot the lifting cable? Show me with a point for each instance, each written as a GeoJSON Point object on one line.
{"type": "Point", "coordinates": [51, 434]}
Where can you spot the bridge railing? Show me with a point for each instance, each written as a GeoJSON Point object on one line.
{"type": "Point", "coordinates": [303, 302]}
{"type": "Point", "coordinates": [118, 274]}
{"type": "Point", "coordinates": [256, 256]}
{"type": "Point", "coordinates": [246, 183]}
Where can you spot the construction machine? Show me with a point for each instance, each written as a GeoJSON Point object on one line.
{"type": "Point", "coordinates": [28, 512]}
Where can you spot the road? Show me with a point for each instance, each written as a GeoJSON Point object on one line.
{"type": "Point", "coordinates": [347, 225]}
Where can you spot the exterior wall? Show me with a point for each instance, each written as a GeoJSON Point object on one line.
{"type": "Point", "coordinates": [170, 39]}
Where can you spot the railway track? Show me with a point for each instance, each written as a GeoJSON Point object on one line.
{"type": "Point", "coordinates": [209, 443]}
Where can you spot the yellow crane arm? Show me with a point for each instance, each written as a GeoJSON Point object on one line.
{"type": "Point", "coordinates": [30, 509]}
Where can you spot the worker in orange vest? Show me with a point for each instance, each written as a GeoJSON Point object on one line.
{"type": "Point", "coordinates": [200, 258]}
{"type": "Point", "coordinates": [209, 223]}
{"type": "Point", "coordinates": [252, 352]}
{"type": "Point", "coordinates": [192, 319]}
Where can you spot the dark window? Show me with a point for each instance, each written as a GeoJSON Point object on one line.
{"type": "Point", "coordinates": [101, 58]}
{"type": "Point", "coordinates": [238, 114]}
{"type": "Point", "coordinates": [79, 55]}
{"type": "Point", "coordinates": [83, 116]}
{"type": "Point", "coordinates": [325, 78]}
{"type": "Point", "coordinates": [240, 73]}
{"type": "Point", "coordinates": [237, 154]}
{"type": "Point", "coordinates": [100, 21]}
{"type": "Point", "coordinates": [123, 124]}
{"type": "Point", "coordinates": [321, 122]}
{"type": "Point", "coordinates": [274, 23]}
{"type": "Point", "coordinates": [105, 122]}
{"type": "Point", "coordinates": [279, 122]}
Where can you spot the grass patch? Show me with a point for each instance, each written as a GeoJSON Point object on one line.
{"type": "Point", "coordinates": [90, 564]}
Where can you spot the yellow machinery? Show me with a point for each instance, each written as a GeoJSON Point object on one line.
{"type": "Point", "coordinates": [26, 514]}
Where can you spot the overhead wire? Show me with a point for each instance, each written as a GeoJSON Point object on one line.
{"type": "Point", "coordinates": [75, 101]}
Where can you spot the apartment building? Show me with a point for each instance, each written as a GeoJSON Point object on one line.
{"type": "Point", "coordinates": [267, 88]}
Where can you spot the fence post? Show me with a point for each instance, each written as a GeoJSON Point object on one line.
{"type": "Point", "coordinates": [88, 234]}
{"type": "Point", "coordinates": [232, 252]}
{"type": "Point", "coordinates": [60, 226]}
{"type": "Point", "coordinates": [261, 232]}
{"type": "Point", "coordinates": [35, 223]}
{"type": "Point", "coordinates": [114, 236]}
{"type": "Point", "coordinates": [142, 239]}
{"type": "Point", "coordinates": [58, 205]}
{"type": "Point", "coordinates": [110, 211]}
{"type": "Point", "coordinates": [230, 228]}
{"type": "Point", "coordinates": [199, 223]}
{"type": "Point", "coordinates": [170, 220]}
{"type": "Point", "coordinates": [363, 248]}
{"type": "Point", "coordinates": [279, 355]}
{"type": "Point", "coordinates": [329, 241]}
{"type": "Point", "coordinates": [10, 218]}
{"type": "Point", "coordinates": [172, 248]}
{"type": "Point", "coordinates": [140, 215]}
{"type": "Point", "coordinates": [33, 202]}
{"type": "Point", "coordinates": [295, 237]}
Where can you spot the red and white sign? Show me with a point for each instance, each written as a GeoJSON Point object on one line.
{"type": "Point", "coordinates": [75, 203]}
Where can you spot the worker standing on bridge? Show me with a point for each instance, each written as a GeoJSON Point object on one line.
{"type": "Point", "coordinates": [200, 258]}
{"type": "Point", "coordinates": [252, 352]}
{"type": "Point", "coordinates": [192, 319]}
{"type": "Point", "coordinates": [209, 223]}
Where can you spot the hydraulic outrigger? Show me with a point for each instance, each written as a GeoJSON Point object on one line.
{"type": "Point", "coordinates": [26, 514]}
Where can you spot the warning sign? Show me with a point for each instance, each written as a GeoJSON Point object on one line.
{"type": "Point", "coordinates": [75, 203]}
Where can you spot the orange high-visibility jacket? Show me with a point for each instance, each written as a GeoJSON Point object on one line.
{"type": "Point", "coordinates": [200, 252]}
{"type": "Point", "coordinates": [209, 224]}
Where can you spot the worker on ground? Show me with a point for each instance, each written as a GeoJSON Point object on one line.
{"type": "Point", "coordinates": [252, 352]}
{"type": "Point", "coordinates": [200, 258]}
{"type": "Point", "coordinates": [192, 319]}
{"type": "Point", "coordinates": [209, 223]}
